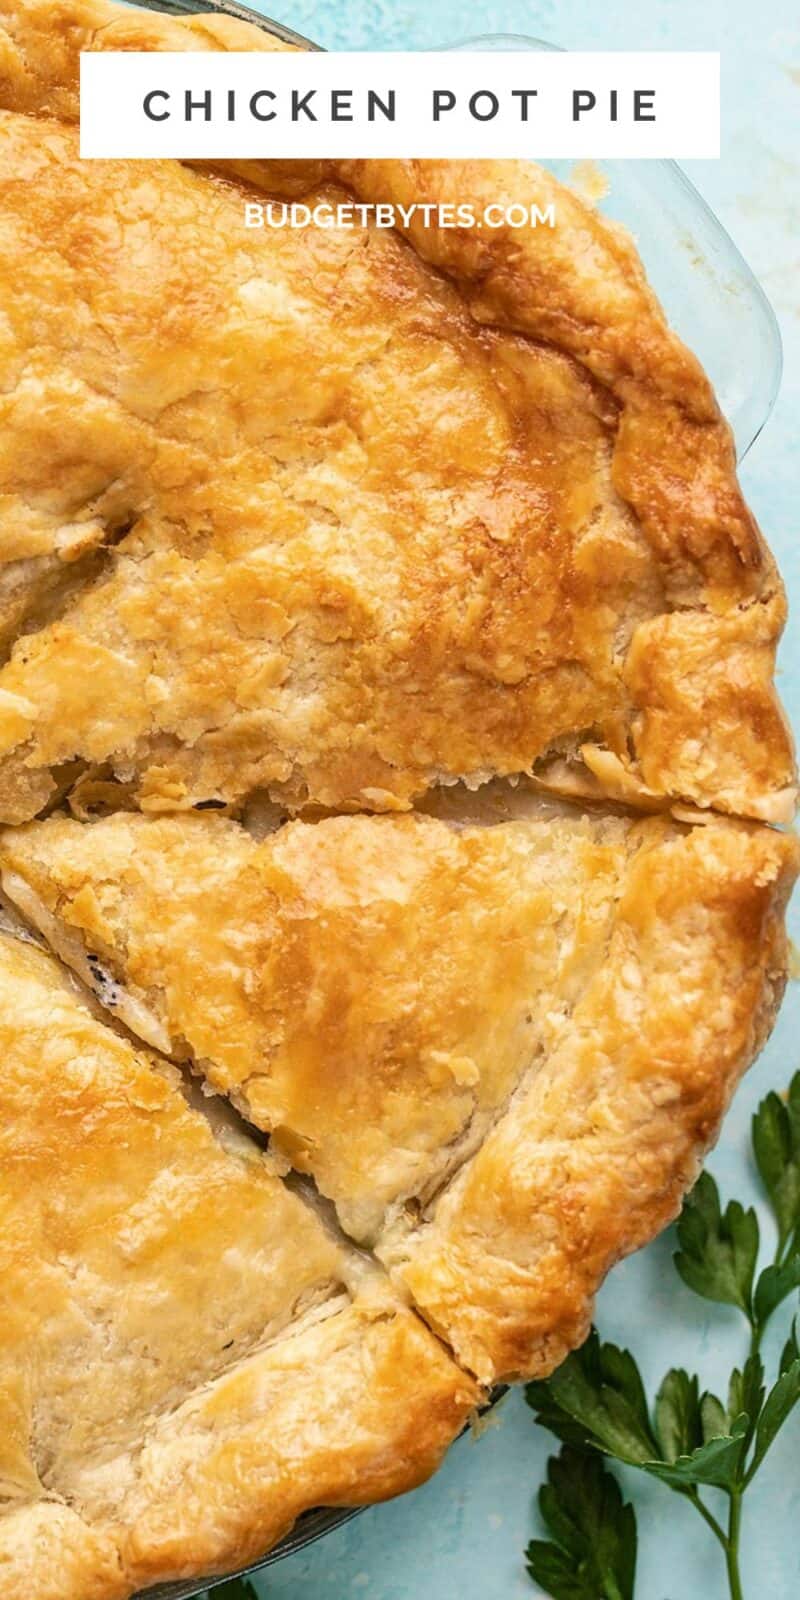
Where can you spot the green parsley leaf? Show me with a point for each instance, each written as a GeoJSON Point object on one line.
{"type": "Point", "coordinates": [714, 1417]}
{"type": "Point", "coordinates": [746, 1395]}
{"type": "Point", "coordinates": [597, 1397]}
{"type": "Point", "coordinates": [718, 1462]}
{"type": "Point", "coordinates": [782, 1399]}
{"type": "Point", "coordinates": [556, 1573]}
{"type": "Point", "coordinates": [550, 1415]}
{"type": "Point", "coordinates": [791, 1349]}
{"type": "Point", "coordinates": [685, 1419]}
{"type": "Point", "coordinates": [776, 1146]}
{"type": "Point", "coordinates": [678, 1419]}
{"type": "Point", "coordinates": [774, 1284]}
{"type": "Point", "coordinates": [718, 1250]}
{"type": "Point", "coordinates": [592, 1552]}
{"type": "Point", "coordinates": [234, 1589]}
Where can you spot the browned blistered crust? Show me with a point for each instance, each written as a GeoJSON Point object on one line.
{"type": "Point", "coordinates": [443, 511]}
{"type": "Point", "coordinates": [368, 990]}
{"type": "Point", "coordinates": [188, 1358]}
{"type": "Point", "coordinates": [501, 1049]}
{"type": "Point", "coordinates": [596, 1152]}
{"type": "Point", "coordinates": [344, 518]}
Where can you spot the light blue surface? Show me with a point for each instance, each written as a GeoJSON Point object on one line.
{"type": "Point", "coordinates": [462, 1536]}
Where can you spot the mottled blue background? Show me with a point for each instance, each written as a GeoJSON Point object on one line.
{"type": "Point", "coordinates": [462, 1536]}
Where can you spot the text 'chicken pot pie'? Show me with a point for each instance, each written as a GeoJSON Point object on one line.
{"type": "Point", "coordinates": [421, 555]}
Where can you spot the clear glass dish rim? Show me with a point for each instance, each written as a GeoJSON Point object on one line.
{"type": "Point", "coordinates": [671, 172]}
{"type": "Point", "coordinates": [315, 1524]}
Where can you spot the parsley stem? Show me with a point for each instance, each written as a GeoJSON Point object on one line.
{"type": "Point", "coordinates": [612, 1590]}
{"type": "Point", "coordinates": [732, 1546]}
{"type": "Point", "coordinates": [708, 1516]}
{"type": "Point", "coordinates": [785, 1249]}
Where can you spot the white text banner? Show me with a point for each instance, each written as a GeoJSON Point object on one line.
{"type": "Point", "coordinates": [222, 105]}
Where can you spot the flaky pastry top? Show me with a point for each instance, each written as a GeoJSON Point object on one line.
{"type": "Point", "coordinates": [498, 1045]}
{"type": "Point", "coordinates": [348, 513]}
{"type": "Point", "coordinates": [168, 1305]}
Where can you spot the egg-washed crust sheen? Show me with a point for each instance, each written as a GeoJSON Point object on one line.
{"type": "Point", "coordinates": [368, 990]}
{"type": "Point", "coordinates": [671, 967]}
{"type": "Point", "coordinates": [595, 1154]}
{"type": "Point", "coordinates": [161, 1289]}
{"type": "Point", "coordinates": [384, 511]}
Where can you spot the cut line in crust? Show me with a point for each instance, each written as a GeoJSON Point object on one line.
{"type": "Point", "coordinates": [499, 1046]}
{"type": "Point", "coordinates": [170, 1307]}
{"type": "Point", "coordinates": [482, 520]}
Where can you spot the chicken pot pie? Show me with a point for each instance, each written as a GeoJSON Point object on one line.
{"type": "Point", "coordinates": [495, 1045]}
{"type": "Point", "coordinates": [345, 514]}
{"type": "Point", "coordinates": [421, 556]}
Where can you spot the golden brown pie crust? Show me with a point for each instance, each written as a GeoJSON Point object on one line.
{"type": "Point", "coordinates": [170, 1309]}
{"type": "Point", "coordinates": [340, 520]}
{"type": "Point", "coordinates": [500, 1049]}
{"type": "Point", "coordinates": [370, 991]}
{"type": "Point", "coordinates": [482, 518]}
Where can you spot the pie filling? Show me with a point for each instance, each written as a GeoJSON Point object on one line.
{"type": "Point", "coordinates": [386, 662]}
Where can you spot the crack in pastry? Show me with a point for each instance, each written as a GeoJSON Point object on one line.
{"type": "Point", "coordinates": [495, 528]}
{"type": "Point", "coordinates": [601, 1142]}
{"type": "Point", "coordinates": [168, 1307]}
{"type": "Point", "coordinates": [499, 1042]}
{"type": "Point", "coordinates": [369, 991]}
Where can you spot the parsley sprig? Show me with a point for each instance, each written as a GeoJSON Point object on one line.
{"type": "Point", "coordinates": [596, 1404]}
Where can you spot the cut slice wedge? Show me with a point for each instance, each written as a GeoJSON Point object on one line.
{"type": "Point", "coordinates": [168, 1307]}
{"type": "Point", "coordinates": [498, 1039]}
{"type": "Point", "coordinates": [368, 990]}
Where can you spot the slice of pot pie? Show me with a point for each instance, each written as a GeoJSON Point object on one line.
{"type": "Point", "coordinates": [499, 1046]}
{"type": "Point", "coordinates": [349, 514]}
{"type": "Point", "coordinates": [188, 1358]}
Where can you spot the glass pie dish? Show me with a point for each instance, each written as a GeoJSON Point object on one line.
{"type": "Point", "coordinates": [706, 288]}
{"type": "Point", "coordinates": [699, 275]}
